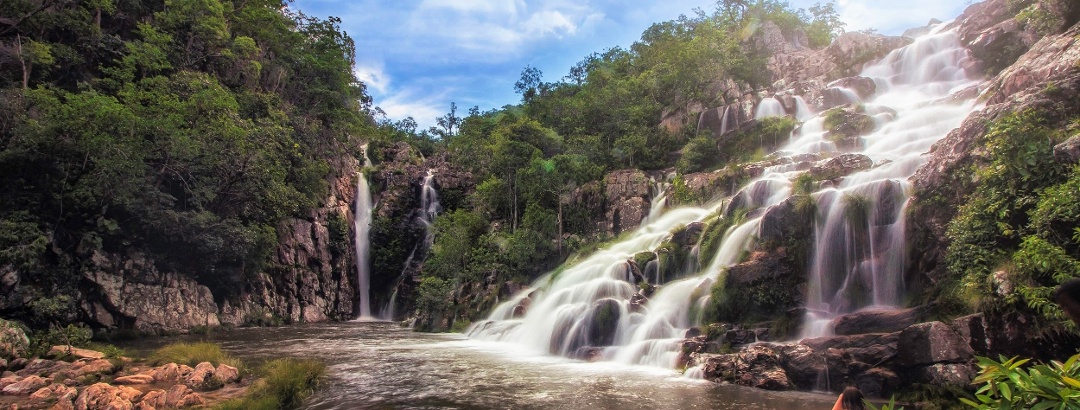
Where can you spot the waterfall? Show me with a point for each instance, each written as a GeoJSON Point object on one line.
{"type": "Point", "coordinates": [769, 107]}
{"type": "Point", "coordinates": [659, 200]}
{"type": "Point", "coordinates": [583, 309]}
{"type": "Point", "coordinates": [802, 111]}
{"type": "Point", "coordinates": [859, 256]}
{"type": "Point", "coordinates": [362, 228]}
{"type": "Point", "coordinates": [429, 208]}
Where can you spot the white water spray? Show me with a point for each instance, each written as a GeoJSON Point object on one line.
{"type": "Point", "coordinates": [362, 228]}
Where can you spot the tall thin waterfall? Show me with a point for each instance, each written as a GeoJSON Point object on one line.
{"type": "Point", "coordinates": [584, 309]}
{"type": "Point", "coordinates": [429, 207]}
{"type": "Point", "coordinates": [362, 228]}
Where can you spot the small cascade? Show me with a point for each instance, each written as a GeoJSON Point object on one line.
{"type": "Point", "coordinates": [362, 227]}
{"type": "Point", "coordinates": [659, 200]}
{"type": "Point", "coordinates": [802, 111]}
{"type": "Point", "coordinates": [429, 208]}
{"type": "Point", "coordinates": [858, 257]}
{"type": "Point", "coordinates": [769, 107]}
{"type": "Point", "coordinates": [696, 373]}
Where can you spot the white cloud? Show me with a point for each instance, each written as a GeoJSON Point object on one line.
{"type": "Point", "coordinates": [374, 76]}
{"type": "Point", "coordinates": [549, 22]}
{"type": "Point", "coordinates": [893, 17]}
{"type": "Point", "coordinates": [495, 30]}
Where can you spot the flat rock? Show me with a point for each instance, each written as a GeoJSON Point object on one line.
{"type": "Point", "coordinates": [134, 379]}
{"type": "Point", "coordinates": [874, 321]}
{"type": "Point", "coordinates": [63, 351]}
{"type": "Point", "coordinates": [26, 386]}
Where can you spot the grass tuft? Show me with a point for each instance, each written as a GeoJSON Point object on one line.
{"type": "Point", "coordinates": [285, 384]}
{"type": "Point", "coordinates": [192, 354]}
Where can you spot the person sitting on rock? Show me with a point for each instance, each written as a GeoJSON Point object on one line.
{"type": "Point", "coordinates": [850, 399]}
{"type": "Point", "coordinates": [1067, 295]}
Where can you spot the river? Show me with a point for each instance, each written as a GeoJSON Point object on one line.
{"type": "Point", "coordinates": [379, 365]}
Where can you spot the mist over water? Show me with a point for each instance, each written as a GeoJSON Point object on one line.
{"type": "Point", "coordinates": [858, 256]}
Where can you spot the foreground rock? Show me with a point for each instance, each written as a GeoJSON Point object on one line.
{"type": "Point", "coordinates": [74, 385]}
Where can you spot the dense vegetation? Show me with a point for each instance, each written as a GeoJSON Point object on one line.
{"type": "Point", "coordinates": [182, 129]}
{"type": "Point", "coordinates": [1018, 235]}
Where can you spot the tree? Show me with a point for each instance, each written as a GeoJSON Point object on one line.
{"type": "Point", "coordinates": [449, 121]}
{"type": "Point", "coordinates": [825, 24]}
{"type": "Point", "coordinates": [529, 84]}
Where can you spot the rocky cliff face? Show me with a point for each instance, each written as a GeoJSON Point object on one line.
{"type": "Point", "coordinates": [1045, 77]}
{"type": "Point", "coordinates": [311, 278]}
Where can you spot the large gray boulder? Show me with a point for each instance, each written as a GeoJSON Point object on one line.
{"type": "Point", "coordinates": [930, 343]}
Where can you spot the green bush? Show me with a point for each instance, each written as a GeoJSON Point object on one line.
{"type": "Point", "coordinates": [1007, 384]}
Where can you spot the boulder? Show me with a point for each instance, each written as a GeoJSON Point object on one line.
{"type": "Point", "coordinates": [1068, 152]}
{"type": "Point", "coordinates": [804, 366]}
{"type": "Point", "coordinates": [972, 328]}
{"type": "Point", "coordinates": [171, 372]}
{"type": "Point", "coordinates": [785, 221]}
{"type": "Point", "coordinates": [930, 343]}
{"type": "Point", "coordinates": [840, 166]}
{"type": "Point", "coordinates": [203, 372]}
{"type": "Point", "coordinates": [875, 321]}
{"type": "Point", "coordinates": [100, 366]}
{"type": "Point", "coordinates": [153, 399]}
{"type": "Point", "coordinates": [227, 374]}
{"type": "Point", "coordinates": [74, 352]}
{"type": "Point", "coordinates": [55, 392]}
{"type": "Point", "coordinates": [603, 322]}
{"type": "Point", "coordinates": [958, 375]}
{"type": "Point", "coordinates": [182, 396]}
{"type": "Point", "coordinates": [757, 366]}
{"type": "Point", "coordinates": [25, 386]}
{"type": "Point", "coordinates": [102, 396]}
{"type": "Point", "coordinates": [864, 87]}
{"type": "Point", "coordinates": [877, 382]}
{"type": "Point", "coordinates": [13, 341]}
{"type": "Point", "coordinates": [845, 126]}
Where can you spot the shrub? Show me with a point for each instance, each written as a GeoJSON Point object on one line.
{"type": "Point", "coordinates": [1007, 384]}
{"type": "Point", "coordinates": [286, 383]}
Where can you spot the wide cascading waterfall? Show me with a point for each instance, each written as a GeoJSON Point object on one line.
{"type": "Point", "coordinates": [859, 255]}
{"type": "Point", "coordinates": [585, 309]}
{"type": "Point", "coordinates": [362, 228]}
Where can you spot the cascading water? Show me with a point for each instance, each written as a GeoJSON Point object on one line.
{"type": "Point", "coordinates": [429, 208]}
{"type": "Point", "coordinates": [584, 310]}
{"type": "Point", "coordinates": [362, 227]}
{"type": "Point", "coordinates": [769, 107]}
{"type": "Point", "coordinates": [859, 255]}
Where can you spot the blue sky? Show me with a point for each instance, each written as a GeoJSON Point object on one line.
{"type": "Point", "coordinates": [416, 56]}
